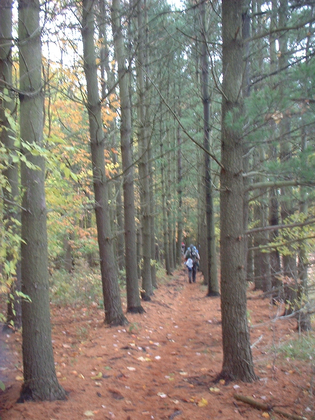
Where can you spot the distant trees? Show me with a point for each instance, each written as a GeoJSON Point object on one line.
{"type": "Point", "coordinates": [274, 123]}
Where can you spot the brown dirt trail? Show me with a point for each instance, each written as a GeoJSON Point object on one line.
{"type": "Point", "coordinates": [162, 365]}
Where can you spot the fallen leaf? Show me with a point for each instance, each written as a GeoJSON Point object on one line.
{"type": "Point", "coordinates": [265, 415]}
{"type": "Point", "coordinates": [19, 378]}
{"type": "Point", "coordinates": [144, 359]}
{"type": "Point", "coordinates": [98, 376]}
{"type": "Point", "coordinates": [89, 413]}
{"type": "Point", "coordinates": [214, 389]}
{"type": "Point", "coordinates": [66, 346]}
{"type": "Point", "coordinates": [202, 403]}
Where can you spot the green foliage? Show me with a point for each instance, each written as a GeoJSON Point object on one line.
{"type": "Point", "coordinates": [133, 328]}
{"type": "Point", "coordinates": [81, 286]}
{"type": "Point", "coordinates": [2, 386]}
{"type": "Point", "coordinates": [292, 239]}
{"type": "Point", "coordinates": [301, 348]}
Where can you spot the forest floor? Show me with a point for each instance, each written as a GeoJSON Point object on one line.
{"type": "Point", "coordinates": [163, 364]}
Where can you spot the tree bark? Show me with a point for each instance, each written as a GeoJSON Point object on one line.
{"type": "Point", "coordinates": [164, 214]}
{"type": "Point", "coordinates": [237, 356]}
{"type": "Point", "coordinates": [40, 380]}
{"type": "Point", "coordinates": [111, 293]}
{"type": "Point", "coordinates": [287, 206]}
{"type": "Point", "coordinates": [133, 299]}
{"type": "Point", "coordinates": [143, 142]}
{"type": "Point", "coordinates": [211, 263]}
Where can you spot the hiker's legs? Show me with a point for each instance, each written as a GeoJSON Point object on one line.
{"type": "Point", "coordinates": [194, 271]}
{"type": "Point", "coordinates": [189, 274]}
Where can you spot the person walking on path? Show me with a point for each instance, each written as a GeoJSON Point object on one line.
{"type": "Point", "coordinates": [189, 264]}
{"type": "Point", "coordinates": [193, 255]}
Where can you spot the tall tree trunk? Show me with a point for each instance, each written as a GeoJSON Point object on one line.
{"type": "Point", "coordinates": [211, 263]}
{"type": "Point", "coordinates": [120, 221]}
{"type": "Point", "coordinates": [152, 223]}
{"type": "Point", "coordinates": [164, 212]}
{"type": "Point", "coordinates": [133, 299]}
{"type": "Point", "coordinates": [237, 355]}
{"type": "Point", "coordinates": [169, 200]}
{"type": "Point", "coordinates": [11, 216]}
{"type": "Point", "coordinates": [275, 265]}
{"type": "Point", "coordinates": [303, 318]}
{"type": "Point", "coordinates": [143, 142]}
{"type": "Point", "coordinates": [40, 380]}
{"type": "Point", "coordinates": [179, 199]}
{"type": "Point", "coordinates": [108, 90]}
{"type": "Point", "coordinates": [261, 259]}
{"type": "Point", "coordinates": [111, 293]}
{"type": "Point", "coordinates": [287, 208]}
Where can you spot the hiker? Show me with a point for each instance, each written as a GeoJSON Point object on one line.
{"type": "Point", "coordinates": [193, 254]}
{"type": "Point", "coordinates": [189, 264]}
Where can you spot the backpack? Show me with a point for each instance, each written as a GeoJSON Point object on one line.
{"type": "Point", "coordinates": [193, 254]}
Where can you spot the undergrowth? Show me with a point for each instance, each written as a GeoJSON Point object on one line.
{"type": "Point", "coordinates": [300, 348]}
{"type": "Point", "coordinates": [80, 286]}
{"type": "Point", "coordinates": [83, 285]}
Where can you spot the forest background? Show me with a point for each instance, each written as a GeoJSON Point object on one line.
{"type": "Point", "coordinates": [161, 124]}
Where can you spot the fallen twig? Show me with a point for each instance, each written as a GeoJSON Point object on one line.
{"type": "Point", "coordinates": [266, 407]}
{"type": "Point", "coordinates": [256, 342]}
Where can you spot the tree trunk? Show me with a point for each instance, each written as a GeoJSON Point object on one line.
{"type": "Point", "coordinates": [133, 299]}
{"type": "Point", "coordinates": [303, 318]}
{"type": "Point", "coordinates": [164, 214]}
{"type": "Point", "coordinates": [261, 259]}
{"type": "Point", "coordinates": [143, 145]}
{"type": "Point", "coordinates": [179, 199]}
{"type": "Point", "coordinates": [111, 293]}
{"type": "Point", "coordinates": [237, 356]}
{"type": "Point", "coordinates": [287, 207]}
{"type": "Point", "coordinates": [108, 91]}
{"type": "Point", "coordinates": [40, 380]}
{"type": "Point", "coordinates": [275, 265]}
{"type": "Point", "coordinates": [211, 263]}
{"type": "Point", "coordinates": [11, 211]}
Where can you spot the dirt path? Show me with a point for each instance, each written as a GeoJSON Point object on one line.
{"type": "Point", "coordinates": [161, 366]}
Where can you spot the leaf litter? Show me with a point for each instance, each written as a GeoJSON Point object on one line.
{"type": "Point", "coordinates": [165, 367]}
